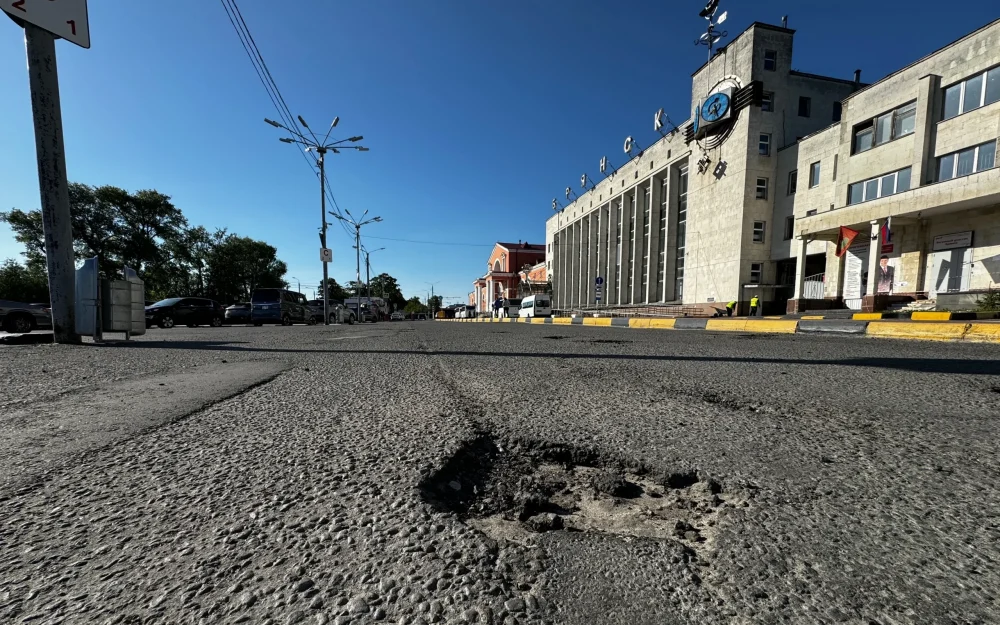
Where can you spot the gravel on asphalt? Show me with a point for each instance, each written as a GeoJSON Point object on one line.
{"type": "Point", "coordinates": [305, 478]}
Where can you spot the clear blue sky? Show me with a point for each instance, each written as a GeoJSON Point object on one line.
{"type": "Point", "coordinates": [476, 113]}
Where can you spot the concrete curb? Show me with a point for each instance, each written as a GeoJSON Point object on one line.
{"type": "Point", "coordinates": [832, 327]}
{"type": "Point", "coordinates": [911, 330]}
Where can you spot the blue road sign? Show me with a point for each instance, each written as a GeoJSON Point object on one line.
{"type": "Point", "coordinates": [598, 280]}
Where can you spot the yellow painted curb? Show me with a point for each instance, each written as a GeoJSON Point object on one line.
{"type": "Point", "coordinates": [597, 321]}
{"type": "Point", "coordinates": [562, 321]}
{"type": "Point", "coordinates": [924, 330]}
{"type": "Point", "coordinates": [931, 316]}
{"type": "Point", "coordinates": [537, 319]}
{"type": "Point", "coordinates": [638, 323]}
{"type": "Point", "coordinates": [867, 316]}
{"type": "Point", "coordinates": [660, 324]}
{"type": "Point", "coordinates": [774, 326]}
{"type": "Point", "coordinates": [813, 317]}
{"type": "Point", "coordinates": [983, 332]}
{"type": "Point", "coordinates": [726, 325]}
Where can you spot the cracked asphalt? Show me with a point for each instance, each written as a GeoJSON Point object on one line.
{"type": "Point", "coordinates": [279, 482]}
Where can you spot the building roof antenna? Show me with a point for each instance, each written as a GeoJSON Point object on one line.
{"type": "Point", "coordinates": [711, 35]}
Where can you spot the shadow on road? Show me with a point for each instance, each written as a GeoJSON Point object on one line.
{"type": "Point", "coordinates": [919, 365]}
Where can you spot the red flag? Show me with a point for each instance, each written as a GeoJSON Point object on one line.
{"type": "Point", "coordinates": [844, 241]}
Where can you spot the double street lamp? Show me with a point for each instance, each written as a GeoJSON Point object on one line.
{"type": "Point", "coordinates": [321, 148]}
{"type": "Point", "coordinates": [356, 224]}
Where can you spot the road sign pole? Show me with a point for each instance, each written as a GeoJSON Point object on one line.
{"type": "Point", "coordinates": [53, 186]}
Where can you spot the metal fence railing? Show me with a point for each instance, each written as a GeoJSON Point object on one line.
{"type": "Point", "coordinates": [636, 310]}
{"type": "Point", "coordinates": [814, 287]}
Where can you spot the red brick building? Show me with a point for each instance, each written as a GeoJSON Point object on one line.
{"type": "Point", "coordinates": [504, 273]}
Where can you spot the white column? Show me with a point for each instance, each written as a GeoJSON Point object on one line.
{"type": "Point", "coordinates": [611, 278]}
{"type": "Point", "coordinates": [653, 294]}
{"type": "Point", "coordinates": [625, 296]}
{"type": "Point", "coordinates": [873, 253]}
{"type": "Point", "coordinates": [800, 266]}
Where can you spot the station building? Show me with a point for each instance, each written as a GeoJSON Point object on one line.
{"type": "Point", "coordinates": [748, 196]}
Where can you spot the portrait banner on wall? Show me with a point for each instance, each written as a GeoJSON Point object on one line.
{"type": "Point", "coordinates": [887, 273]}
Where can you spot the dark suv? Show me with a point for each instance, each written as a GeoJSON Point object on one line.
{"type": "Point", "coordinates": [189, 311]}
{"type": "Point", "coordinates": [279, 306]}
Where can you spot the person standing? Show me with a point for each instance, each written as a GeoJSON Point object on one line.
{"type": "Point", "coordinates": [730, 307]}
{"type": "Point", "coordinates": [754, 302]}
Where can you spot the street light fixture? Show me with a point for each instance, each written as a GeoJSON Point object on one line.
{"type": "Point", "coordinates": [321, 148]}
{"type": "Point", "coordinates": [356, 224]}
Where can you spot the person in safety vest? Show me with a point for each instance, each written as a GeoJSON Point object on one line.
{"type": "Point", "coordinates": [754, 302]}
{"type": "Point", "coordinates": [730, 307]}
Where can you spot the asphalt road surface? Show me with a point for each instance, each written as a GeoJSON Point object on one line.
{"type": "Point", "coordinates": [429, 472]}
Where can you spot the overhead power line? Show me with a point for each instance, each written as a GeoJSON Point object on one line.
{"type": "Point", "coordinates": [271, 87]}
{"type": "Point", "coordinates": [432, 242]}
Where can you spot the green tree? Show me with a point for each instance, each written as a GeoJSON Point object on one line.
{"type": "Point", "coordinates": [333, 290]}
{"type": "Point", "coordinates": [386, 287]}
{"type": "Point", "coordinates": [413, 306]}
{"type": "Point", "coordinates": [23, 283]}
{"type": "Point", "coordinates": [238, 265]}
{"type": "Point", "coordinates": [27, 228]}
{"type": "Point", "coordinates": [435, 303]}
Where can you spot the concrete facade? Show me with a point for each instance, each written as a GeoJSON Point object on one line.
{"type": "Point", "coordinates": [753, 204]}
{"type": "Point", "coordinates": [686, 210]}
{"type": "Point", "coordinates": [945, 224]}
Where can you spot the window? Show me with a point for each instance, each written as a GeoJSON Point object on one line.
{"type": "Point", "coordinates": [764, 145]}
{"type": "Point", "coordinates": [967, 161]}
{"type": "Point", "coordinates": [793, 181]}
{"type": "Point", "coordinates": [882, 186]}
{"type": "Point", "coordinates": [681, 233]}
{"type": "Point", "coordinates": [770, 60]}
{"type": "Point", "coordinates": [762, 188]}
{"type": "Point", "coordinates": [767, 102]}
{"type": "Point", "coordinates": [789, 227]}
{"type": "Point", "coordinates": [550, 248]}
{"type": "Point", "coordinates": [979, 90]}
{"type": "Point", "coordinates": [885, 128]}
{"type": "Point", "coordinates": [838, 111]}
{"type": "Point", "coordinates": [814, 175]}
{"type": "Point", "coordinates": [758, 231]}
{"type": "Point", "coordinates": [756, 271]}
{"type": "Point", "coordinates": [661, 258]}
{"type": "Point", "coordinates": [805, 106]}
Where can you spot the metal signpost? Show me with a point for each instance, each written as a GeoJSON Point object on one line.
{"type": "Point", "coordinates": [43, 21]}
{"type": "Point", "coordinates": [598, 288]}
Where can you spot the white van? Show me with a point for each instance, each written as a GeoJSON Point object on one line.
{"type": "Point", "coordinates": [536, 306]}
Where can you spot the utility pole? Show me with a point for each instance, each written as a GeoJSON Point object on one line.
{"type": "Point", "coordinates": [321, 148]}
{"type": "Point", "coordinates": [299, 283]}
{"type": "Point", "coordinates": [430, 300]}
{"type": "Point", "coordinates": [51, 153]}
{"type": "Point", "coordinates": [357, 223]}
{"type": "Point", "coordinates": [368, 271]}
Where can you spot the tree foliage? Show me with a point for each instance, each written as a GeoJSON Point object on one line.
{"type": "Point", "coordinates": [333, 290]}
{"type": "Point", "coordinates": [414, 305]}
{"type": "Point", "coordinates": [23, 283]}
{"type": "Point", "coordinates": [386, 287]}
{"type": "Point", "coordinates": [145, 231]}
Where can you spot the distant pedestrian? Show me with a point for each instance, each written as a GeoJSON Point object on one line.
{"type": "Point", "coordinates": [754, 302]}
{"type": "Point", "coordinates": [730, 307]}
{"type": "Point", "coordinates": [496, 307]}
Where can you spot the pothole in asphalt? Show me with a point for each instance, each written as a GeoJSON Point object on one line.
{"type": "Point", "coordinates": [606, 341]}
{"type": "Point", "coordinates": [512, 491]}
{"type": "Point", "coordinates": [555, 337]}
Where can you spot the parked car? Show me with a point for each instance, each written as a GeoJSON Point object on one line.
{"type": "Point", "coordinates": [238, 313]}
{"type": "Point", "coordinates": [189, 311]}
{"type": "Point", "coordinates": [338, 313]}
{"type": "Point", "coordinates": [512, 306]}
{"type": "Point", "coordinates": [421, 317]}
{"type": "Point", "coordinates": [18, 317]}
{"type": "Point", "coordinates": [279, 306]}
{"type": "Point", "coordinates": [536, 306]}
{"type": "Point", "coordinates": [397, 316]}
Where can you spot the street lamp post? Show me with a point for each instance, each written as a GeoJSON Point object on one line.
{"type": "Point", "coordinates": [356, 224]}
{"type": "Point", "coordinates": [430, 300]}
{"type": "Point", "coordinates": [299, 283]}
{"type": "Point", "coordinates": [321, 148]}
